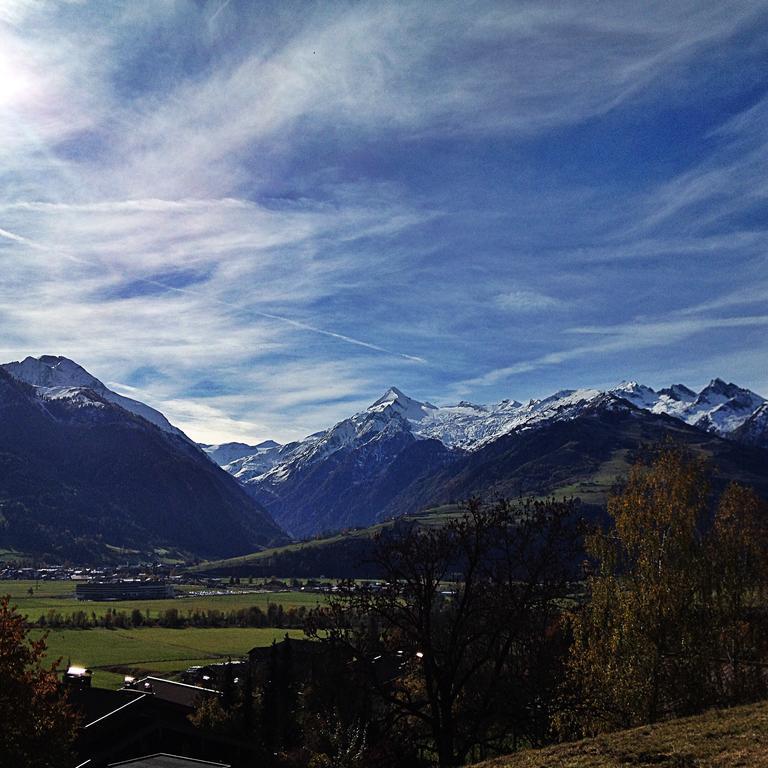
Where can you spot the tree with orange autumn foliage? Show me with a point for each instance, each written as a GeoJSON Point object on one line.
{"type": "Point", "coordinates": [674, 601]}
{"type": "Point", "coordinates": [38, 726]}
{"type": "Point", "coordinates": [738, 556]}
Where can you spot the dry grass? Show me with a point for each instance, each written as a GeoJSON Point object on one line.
{"type": "Point", "coordinates": [729, 738]}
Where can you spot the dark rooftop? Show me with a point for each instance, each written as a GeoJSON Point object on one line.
{"type": "Point", "coordinates": [96, 703]}
{"type": "Point", "coordinates": [169, 690]}
{"type": "Point", "coordinates": [161, 760]}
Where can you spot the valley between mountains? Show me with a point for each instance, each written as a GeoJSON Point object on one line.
{"type": "Point", "coordinates": [87, 473]}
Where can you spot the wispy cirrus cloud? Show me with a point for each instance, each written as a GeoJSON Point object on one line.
{"type": "Point", "coordinates": [283, 210]}
{"type": "Point", "coordinates": [646, 333]}
{"type": "Point", "coordinates": [525, 300]}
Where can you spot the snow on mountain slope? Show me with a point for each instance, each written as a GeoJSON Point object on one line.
{"type": "Point", "coordinates": [463, 426]}
{"type": "Point", "coordinates": [720, 408]}
{"type": "Point", "coordinates": [754, 431]}
{"type": "Point", "coordinates": [383, 417]}
{"type": "Point", "coordinates": [394, 401]}
{"type": "Point", "coordinates": [60, 378]}
{"type": "Point", "coordinates": [256, 463]}
{"type": "Point", "coordinates": [225, 453]}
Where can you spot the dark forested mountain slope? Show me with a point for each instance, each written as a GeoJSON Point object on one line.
{"type": "Point", "coordinates": [583, 456]}
{"type": "Point", "coordinates": [349, 487]}
{"type": "Point", "coordinates": [80, 475]}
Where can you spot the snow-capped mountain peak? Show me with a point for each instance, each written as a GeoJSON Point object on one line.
{"type": "Point", "coordinates": [720, 408]}
{"type": "Point", "coordinates": [723, 407]}
{"type": "Point", "coordinates": [226, 453]}
{"type": "Point", "coordinates": [405, 406]}
{"type": "Point", "coordinates": [58, 378]}
{"type": "Point", "coordinates": [637, 394]}
{"type": "Point", "coordinates": [49, 371]}
{"type": "Point", "coordinates": [718, 391]}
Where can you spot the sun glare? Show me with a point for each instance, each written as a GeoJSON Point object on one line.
{"type": "Point", "coordinates": [17, 87]}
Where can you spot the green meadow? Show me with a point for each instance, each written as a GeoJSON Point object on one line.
{"type": "Point", "coordinates": [114, 653]}
{"type": "Point", "coordinates": [60, 596]}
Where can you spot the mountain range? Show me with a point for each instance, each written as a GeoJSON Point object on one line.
{"type": "Point", "coordinates": [400, 455]}
{"type": "Point", "coordinates": [88, 474]}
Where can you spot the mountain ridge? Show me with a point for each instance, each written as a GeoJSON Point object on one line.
{"type": "Point", "coordinates": [56, 377]}
{"type": "Point", "coordinates": [83, 478]}
{"type": "Point", "coordinates": [355, 472]}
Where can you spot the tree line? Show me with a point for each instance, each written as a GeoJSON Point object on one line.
{"type": "Point", "coordinates": [677, 617]}
{"type": "Point", "coordinates": [275, 615]}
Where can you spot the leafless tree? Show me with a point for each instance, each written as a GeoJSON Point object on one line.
{"type": "Point", "coordinates": [457, 641]}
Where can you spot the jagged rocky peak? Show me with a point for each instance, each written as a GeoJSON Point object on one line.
{"type": "Point", "coordinates": [719, 394]}
{"type": "Point", "coordinates": [717, 388]}
{"type": "Point", "coordinates": [633, 386]}
{"type": "Point", "coordinates": [506, 405]}
{"type": "Point", "coordinates": [678, 392]}
{"type": "Point", "coordinates": [472, 406]}
{"type": "Point", "coordinates": [639, 394]}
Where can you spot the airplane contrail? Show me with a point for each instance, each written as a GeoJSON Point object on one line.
{"type": "Point", "coordinates": [229, 305]}
{"type": "Point", "coordinates": [219, 10]}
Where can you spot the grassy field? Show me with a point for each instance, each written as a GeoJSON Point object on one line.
{"type": "Point", "coordinates": [599, 486]}
{"type": "Point", "coordinates": [11, 555]}
{"type": "Point", "coordinates": [60, 596]}
{"type": "Point", "coordinates": [728, 738]}
{"type": "Point", "coordinates": [112, 654]}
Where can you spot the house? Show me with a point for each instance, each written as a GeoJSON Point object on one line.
{"type": "Point", "coordinates": [217, 675]}
{"type": "Point", "coordinates": [149, 720]}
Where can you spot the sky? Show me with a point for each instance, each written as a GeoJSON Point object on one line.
{"type": "Point", "coordinates": [257, 217]}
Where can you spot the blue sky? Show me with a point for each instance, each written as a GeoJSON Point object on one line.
{"type": "Point", "coordinates": [257, 217]}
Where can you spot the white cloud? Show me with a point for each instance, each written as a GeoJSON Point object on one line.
{"type": "Point", "coordinates": [642, 334]}
{"type": "Point", "coordinates": [523, 300]}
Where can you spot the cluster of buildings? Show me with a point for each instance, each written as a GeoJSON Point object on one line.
{"type": "Point", "coordinates": [124, 589]}
{"type": "Point", "coordinates": [146, 723]}
{"type": "Point", "coordinates": [86, 573]}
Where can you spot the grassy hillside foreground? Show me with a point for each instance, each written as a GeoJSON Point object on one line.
{"type": "Point", "coordinates": [726, 738]}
